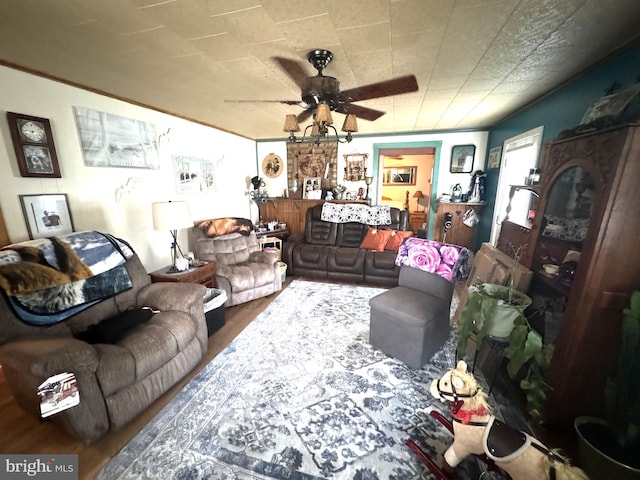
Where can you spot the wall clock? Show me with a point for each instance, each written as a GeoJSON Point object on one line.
{"type": "Point", "coordinates": [33, 144]}
{"type": "Point", "coordinates": [272, 165]}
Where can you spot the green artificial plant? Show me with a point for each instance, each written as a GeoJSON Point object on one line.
{"type": "Point", "coordinates": [622, 392]}
{"type": "Point", "coordinates": [525, 352]}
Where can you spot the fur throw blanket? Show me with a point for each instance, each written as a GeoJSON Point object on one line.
{"type": "Point", "coordinates": [217, 227]}
{"type": "Point", "coordinates": [47, 280]}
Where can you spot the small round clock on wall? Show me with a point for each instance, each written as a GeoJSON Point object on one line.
{"type": "Point", "coordinates": [272, 165]}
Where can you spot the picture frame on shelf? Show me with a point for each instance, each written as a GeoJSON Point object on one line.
{"type": "Point", "coordinates": [46, 214]}
{"type": "Point", "coordinates": [33, 144]}
{"type": "Point", "coordinates": [462, 157]}
{"type": "Point", "coordinates": [312, 188]}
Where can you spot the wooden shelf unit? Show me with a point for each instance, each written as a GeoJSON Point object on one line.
{"type": "Point", "coordinates": [293, 211]}
{"type": "Point", "coordinates": [459, 233]}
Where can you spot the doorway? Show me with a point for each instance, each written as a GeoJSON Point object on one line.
{"type": "Point", "coordinates": [406, 176]}
{"type": "Point", "coordinates": [520, 154]}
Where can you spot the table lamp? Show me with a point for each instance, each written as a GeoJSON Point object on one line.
{"type": "Point", "coordinates": [172, 216]}
{"type": "Point", "coordinates": [418, 195]}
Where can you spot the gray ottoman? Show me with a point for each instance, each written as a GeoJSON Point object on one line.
{"type": "Point", "coordinates": [410, 322]}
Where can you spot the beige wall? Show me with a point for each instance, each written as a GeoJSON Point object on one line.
{"type": "Point", "coordinates": [91, 190]}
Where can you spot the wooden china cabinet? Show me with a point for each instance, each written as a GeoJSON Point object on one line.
{"type": "Point", "coordinates": [588, 204]}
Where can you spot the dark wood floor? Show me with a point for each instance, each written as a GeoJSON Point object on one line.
{"type": "Point", "coordinates": [23, 434]}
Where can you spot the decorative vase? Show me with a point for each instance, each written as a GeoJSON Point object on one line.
{"type": "Point", "coordinates": [593, 460]}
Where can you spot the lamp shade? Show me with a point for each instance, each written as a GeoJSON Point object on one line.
{"type": "Point", "coordinates": [291, 124]}
{"type": "Point", "coordinates": [315, 129]}
{"type": "Point", "coordinates": [323, 114]}
{"type": "Point", "coordinates": [350, 123]}
{"type": "Point", "coordinates": [418, 194]}
{"type": "Point", "coordinates": [171, 215]}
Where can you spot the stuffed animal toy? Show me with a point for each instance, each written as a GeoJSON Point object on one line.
{"type": "Point", "coordinates": [476, 431]}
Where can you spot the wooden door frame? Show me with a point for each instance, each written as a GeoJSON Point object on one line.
{"type": "Point", "coordinates": [410, 148]}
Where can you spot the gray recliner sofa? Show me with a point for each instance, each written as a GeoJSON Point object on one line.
{"type": "Point", "coordinates": [115, 381]}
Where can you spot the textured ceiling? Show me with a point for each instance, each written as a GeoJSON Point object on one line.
{"type": "Point", "coordinates": [476, 61]}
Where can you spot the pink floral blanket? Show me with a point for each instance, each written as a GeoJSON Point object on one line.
{"type": "Point", "coordinates": [444, 259]}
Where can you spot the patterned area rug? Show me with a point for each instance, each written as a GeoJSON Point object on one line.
{"type": "Point", "coordinates": [299, 394]}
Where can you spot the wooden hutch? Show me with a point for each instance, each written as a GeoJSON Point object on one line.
{"type": "Point", "coordinates": [588, 204]}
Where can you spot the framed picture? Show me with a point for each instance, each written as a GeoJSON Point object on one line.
{"type": "Point", "coordinates": [355, 166]}
{"type": "Point", "coordinates": [110, 140]}
{"type": "Point", "coordinates": [193, 174]}
{"type": "Point", "coordinates": [494, 157]}
{"type": "Point", "coordinates": [399, 175]}
{"type": "Point", "coordinates": [33, 144]}
{"type": "Point", "coordinates": [610, 105]}
{"type": "Point", "coordinates": [312, 188]}
{"type": "Point", "coordinates": [462, 158]}
{"type": "Point", "coordinates": [46, 215]}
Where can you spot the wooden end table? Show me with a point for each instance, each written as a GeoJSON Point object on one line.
{"type": "Point", "coordinates": [204, 275]}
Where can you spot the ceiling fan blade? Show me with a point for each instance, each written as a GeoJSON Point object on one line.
{"type": "Point", "coordinates": [294, 69]}
{"type": "Point", "coordinates": [395, 86]}
{"type": "Point", "coordinates": [285, 102]}
{"type": "Point", "coordinates": [361, 112]}
{"type": "Point", "coordinates": [305, 115]}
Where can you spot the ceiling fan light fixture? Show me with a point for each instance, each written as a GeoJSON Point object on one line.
{"type": "Point", "coordinates": [350, 123]}
{"type": "Point", "coordinates": [291, 124]}
{"type": "Point", "coordinates": [315, 129]}
{"type": "Point", "coordinates": [323, 114]}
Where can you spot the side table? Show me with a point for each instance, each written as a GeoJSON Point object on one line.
{"type": "Point", "coordinates": [274, 242]}
{"type": "Point", "coordinates": [282, 233]}
{"type": "Point", "coordinates": [204, 275]}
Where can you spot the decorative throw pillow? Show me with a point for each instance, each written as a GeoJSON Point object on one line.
{"type": "Point", "coordinates": [396, 238]}
{"type": "Point", "coordinates": [375, 239]}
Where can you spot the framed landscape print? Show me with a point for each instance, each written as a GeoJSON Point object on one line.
{"type": "Point", "coordinates": [33, 144]}
{"type": "Point", "coordinates": [462, 158]}
{"type": "Point", "coordinates": [46, 215]}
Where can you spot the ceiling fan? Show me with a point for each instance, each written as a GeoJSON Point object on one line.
{"type": "Point", "coordinates": [324, 89]}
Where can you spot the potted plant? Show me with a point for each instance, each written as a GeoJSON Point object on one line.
{"type": "Point", "coordinates": [492, 309]}
{"type": "Point", "coordinates": [498, 311]}
{"type": "Point", "coordinates": [339, 190]}
{"type": "Point", "coordinates": [610, 447]}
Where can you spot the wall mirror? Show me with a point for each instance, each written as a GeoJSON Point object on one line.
{"type": "Point", "coordinates": [399, 175]}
